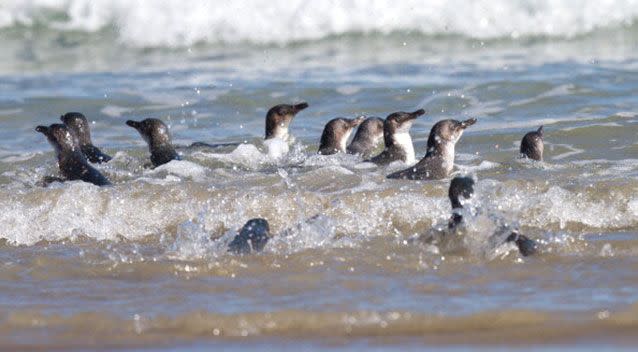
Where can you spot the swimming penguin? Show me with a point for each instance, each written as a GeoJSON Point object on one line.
{"type": "Point", "coordinates": [71, 161]}
{"type": "Point", "coordinates": [368, 136]}
{"type": "Point", "coordinates": [396, 134]}
{"type": "Point", "coordinates": [439, 159]}
{"type": "Point", "coordinates": [464, 187]}
{"type": "Point", "coordinates": [156, 134]}
{"type": "Point", "coordinates": [79, 126]}
{"type": "Point", "coordinates": [335, 134]}
{"type": "Point", "coordinates": [278, 119]}
{"type": "Point", "coordinates": [252, 237]}
{"type": "Point", "coordinates": [532, 145]}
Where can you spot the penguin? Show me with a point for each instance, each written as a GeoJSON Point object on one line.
{"type": "Point", "coordinates": [462, 187]}
{"type": "Point", "coordinates": [336, 133]}
{"type": "Point", "coordinates": [396, 135]}
{"type": "Point", "coordinates": [279, 117]}
{"type": "Point", "coordinates": [439, 159]}
{"type": "Point", "coordinates": [253, 237]}
{"type": "Point", "coordinates": [156, 134]}
{"type": "Point", "coordinates": [369, 135]}
{"type": "Point", "coordinates": [532, 145]}
{"type": "Point", "coordinates": [79, 126]}
{"type": "Point", "coordinates": [71, 161]}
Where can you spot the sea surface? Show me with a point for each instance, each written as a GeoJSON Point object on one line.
{"type": "Point", "coordinates": [143, 264]}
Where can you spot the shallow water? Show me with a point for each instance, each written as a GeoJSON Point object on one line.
{"type": "Point", "coordinates": [144, 264]}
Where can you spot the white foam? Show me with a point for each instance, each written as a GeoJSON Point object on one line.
{"type": "Point", "coordinates": [627, 114]}
{"type": "Point", "coordinates": [114, 110]}
{"type": "Point", "coordinates": [334, 159]}
{"type": "Point", "coordinates": [178, 23]}
{"type": "Point", "coordinates": [317, 231]}
{"type": "Point", "coordinates": [17, 158]}
{"type": "Point", "coordinates": [572, 151]}
{"type": "Point", "coordinates": [561, 90]}
{"type": "Point", "coordinates": [277, 147]}
{"type": "Point", "coordinates": [369, 206]}
{"type": "Point", "coordinates": [348, 89]}
{"type": "Point", "coordinates": [245, 154]}
{"type": "Point", "coordinates": [248, 155]}
{"type": "Point", "coordinates": [483, 165]}
{"type": "Point", "coordinates": [602, 124]}
{"type": "Point", "coordinates": [181, 169]}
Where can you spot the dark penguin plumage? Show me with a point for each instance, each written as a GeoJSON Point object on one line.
{"type": "Point", "coordinates": [336, 133]}
{"type": "Point", "coordinates": [396, 135]}
{"type": "Point", "coordinates": [532, 145]}
{"type": "Point", "coordinates": [252, 237]}
{"type": "Point", "coordinates": [156, 134]}
{"type": "Point", "coordinates": [79, 126]}
{"type": "Point", "coordinates": [459, 187]}
{"type": "Point", "coordinates": [464, 187]}
{"type": "Point", "coordinates": [198, 145]}
{"type": "Point", "coordinates": [71, 161]}
{"type": "Point", "coordinates": [279, 117]}
{"type": "Point", "coordinates": [439, 159]}
{"type": "Point", "coordinates": [368, 136]}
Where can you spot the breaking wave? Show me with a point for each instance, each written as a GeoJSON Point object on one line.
{"type": "Point", "coordinates": [178, 23]}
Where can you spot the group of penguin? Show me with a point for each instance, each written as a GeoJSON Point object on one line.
{"type": "Point", "coordinates": [74, 149]}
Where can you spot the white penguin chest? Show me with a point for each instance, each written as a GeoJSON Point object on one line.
{"type": "Point", "coordinates": [404, 141]}
{"type": "Point", "coordinates": [343, 141]}
{"type": "Point", "coordinates": [281, 132]}
{"type": "Point", "coordinates": [448, 158]}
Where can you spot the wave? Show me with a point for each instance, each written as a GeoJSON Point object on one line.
{"type": "Point", "coordinates": [198, 201]}
{"type": "Point", "coordinates": [178, 23]}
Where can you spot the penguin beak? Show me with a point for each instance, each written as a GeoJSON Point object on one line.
{"type": "Point", "coordinates": [418, 113]}
{"type": "Point", "coordinates": [134, 124]}
{"type": "Point", "coordinates": [467, 123]}
{"type": "Point", "coordinates": [410, 116]}
{"type": "Point", "coordinates": [540, 131]}
{"type": "Point", "coordinates": [356, 122]}
{"type": "Point", "coordinates": [42, 129]}
{"type": "Point", "coordinates": [299, 107]}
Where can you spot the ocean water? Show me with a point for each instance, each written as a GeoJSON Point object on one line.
{"type": "Point", "coordinates": [143, 264]}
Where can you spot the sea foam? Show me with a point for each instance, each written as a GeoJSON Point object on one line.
{"type": "Point", "coordinates": [178, 23]}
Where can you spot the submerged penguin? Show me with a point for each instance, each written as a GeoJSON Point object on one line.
{"type": "Point", "coordinates": [369, 135]}
{"type": "Point", "coordinates": [71, 161]}
{"type": "Point", "coordinates": [252, 238]}
{"type": "Point", "coordinates": [156, 134]}
{"type": "Point", "coordinates": [439, 159]}
{"type": "Point", "coordinates": [79, 126]}
{"type": "Point", "coordinates": [336, 133]}
{"type": "Point", "coordinates": [278, 119]}
{"type": "Point", "coordinates": [463, 187]}
{"type": "Point", "coordinates": [396, 135]}
{"type": "Point", "coordinates": [532, 145]}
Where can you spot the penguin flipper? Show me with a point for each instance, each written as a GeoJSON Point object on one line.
{"type": "Point", "coordinates": [411, 173]}
{"type": "Point", "coordinates": [95, 177]}
{"type": "Point", "coordinates": [95, 155]}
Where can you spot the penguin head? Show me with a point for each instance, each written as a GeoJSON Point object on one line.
{"type": "Point", "coordinates": [154, 131]}
{"type": "Point", "coordinates": [279, 118]}
{"type": "Point", "coordinates": [60, 137]}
